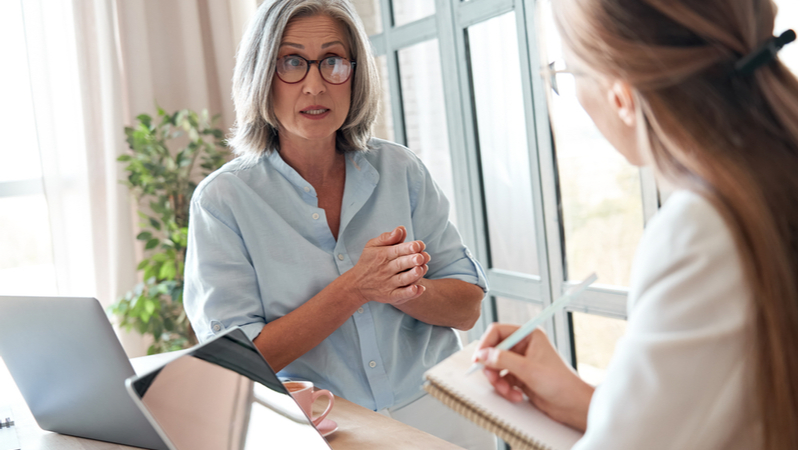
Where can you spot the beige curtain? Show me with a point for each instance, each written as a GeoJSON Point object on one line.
{"type": "Point", "coordinates": [95, 65]}
{"type": "Point", "coordinates": [180, 54]}
{"type": "Point", "coordinates": [175, 54]}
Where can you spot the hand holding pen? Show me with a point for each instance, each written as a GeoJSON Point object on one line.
{"type": "Point", "coordinates": [530, 365]}
{"type": "Point", "coordinates": [546, 314]}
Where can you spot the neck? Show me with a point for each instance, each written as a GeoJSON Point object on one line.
{"type": "Point", "coordinates": [315, 161]}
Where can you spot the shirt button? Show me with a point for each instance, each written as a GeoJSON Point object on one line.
{"type": "Point", "coordinates": [315, 216]}
{"type": "Point", "coordinates": [307, 189]}
{"type": "Point", "coordinates": [217, 327]}
{"type": "Point", "coordinates": [469, 255]}
{"type": "Point", "coordinates": [341, 257]}
{"type": "Point", "coordinates": [373, 364]}
{"type": "Point", "coordinates": [361, 310]}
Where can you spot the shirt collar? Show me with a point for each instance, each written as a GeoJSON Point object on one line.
{"type": "Point", "coordinates": [358, 170]}
{"type": "Point", "coordinates": [288, 171]}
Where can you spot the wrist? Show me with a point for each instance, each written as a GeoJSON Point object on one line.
{"type": "Point", "coordinates": [347, 285]}
{"type": "Point", "coordinates": [580, 411]}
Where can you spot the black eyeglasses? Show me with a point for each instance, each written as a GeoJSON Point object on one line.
{"type": "Point", "coordinates": [333, 69]}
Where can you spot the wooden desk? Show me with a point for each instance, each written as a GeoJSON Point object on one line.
{"type": "Point", "coordinates": [359, 428]}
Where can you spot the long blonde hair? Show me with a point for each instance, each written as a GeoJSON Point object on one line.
{"type": "Point", "coordinates": [728, 136]}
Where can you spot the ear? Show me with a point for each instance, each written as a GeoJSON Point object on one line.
{"type": "Point", "coordinates": [620, 96]}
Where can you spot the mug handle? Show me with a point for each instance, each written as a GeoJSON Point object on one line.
{"type": "Point", "coordinates": [317, 420]}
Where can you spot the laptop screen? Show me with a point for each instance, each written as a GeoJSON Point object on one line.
{"type": "Point", "coordinates": [224, 395]}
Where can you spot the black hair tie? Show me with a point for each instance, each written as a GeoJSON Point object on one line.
{"type": "Point", "coordinates": [764, 54]}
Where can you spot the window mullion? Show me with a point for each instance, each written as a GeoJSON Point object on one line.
{"type": "Point", "coordinates": [463, 144]}
{"type": "Point", "coordinates": [393, 72]}
{"type": "Point", "coordinates": [544, 163]}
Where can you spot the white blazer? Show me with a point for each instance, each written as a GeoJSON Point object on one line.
{"type": "Point", "coordinates": [679, 377]}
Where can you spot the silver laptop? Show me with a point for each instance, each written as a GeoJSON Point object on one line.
{"type": "Point", "coordinates": [223, 395]}
{"type": "Point", "coordinates": [71, 369]}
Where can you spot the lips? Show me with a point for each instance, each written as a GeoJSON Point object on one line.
{"type": "Point", "coordinates": [314, 110]}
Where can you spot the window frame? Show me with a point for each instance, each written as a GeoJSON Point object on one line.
{"type": "Point", "coordinates": [449, 25]}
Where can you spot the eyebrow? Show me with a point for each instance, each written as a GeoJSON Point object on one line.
{"type": "Point", "coordinates": [301, 47]}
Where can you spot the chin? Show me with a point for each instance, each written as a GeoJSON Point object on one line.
{"type": "Point", "coordinates": [315, 130]}
{"type": "Point", "coordinates": [634, 160]}
{"type": "Point", "coordinates": [318, 135]}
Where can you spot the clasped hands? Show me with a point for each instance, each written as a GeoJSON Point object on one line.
{"type": "Point", "coordinates": [389, 269]}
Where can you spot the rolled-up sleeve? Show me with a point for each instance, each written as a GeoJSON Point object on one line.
{"type": "Point", "coordinates": [221, 289]}
{"type": "Point", "coordinates": [430, 211]}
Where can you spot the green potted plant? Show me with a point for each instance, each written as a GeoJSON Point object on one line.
{"type": "Point", "coordinates": [162, 174]}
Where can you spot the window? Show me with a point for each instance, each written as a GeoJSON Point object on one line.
{"type": "Point", "coordinates": [604, 204]}
{"type": "Point", "coordinates": [541, 199]}
{"type": "Point", "coordinates": [463, 91]}
{"type": "Point", "coordinates": [26, 261]}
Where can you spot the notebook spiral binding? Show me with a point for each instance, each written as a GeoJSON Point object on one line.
{"type": "Point", "coordinates": [514, 437]}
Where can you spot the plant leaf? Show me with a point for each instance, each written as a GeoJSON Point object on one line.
{"type": "Point", "coordinates": [151, 244]}
{"type": "Point", "coordinates": [167, 270]}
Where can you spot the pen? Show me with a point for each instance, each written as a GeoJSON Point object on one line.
{"type": "Point", "coordinates": [548, 312]}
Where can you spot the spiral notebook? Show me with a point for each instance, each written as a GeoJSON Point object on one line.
{"type": "Point", "coordinates": [521, 425]}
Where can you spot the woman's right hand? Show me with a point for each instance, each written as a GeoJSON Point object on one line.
{"type": "Point", "coordinates": [388, 269]}
{"type": "Point", "coordinates": [535, 368]}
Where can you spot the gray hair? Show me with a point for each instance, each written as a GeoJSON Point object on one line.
{"type": "Point", "coordinates": [255, 132]}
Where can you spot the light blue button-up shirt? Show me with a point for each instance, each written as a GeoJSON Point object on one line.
{"type": "Point", "coordinates": [259, 247]}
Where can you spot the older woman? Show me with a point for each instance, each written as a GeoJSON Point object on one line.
{"type": "Point", "coordinates": [331, 250]}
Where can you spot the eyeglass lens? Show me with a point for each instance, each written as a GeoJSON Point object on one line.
{"type": "Point", "coordinates": [334, 69]}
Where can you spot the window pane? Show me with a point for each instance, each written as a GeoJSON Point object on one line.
{"type": "Point", "coordinates": [600, 191]}
{"type": "Point", "coordinates": [515, 311]}
{"type": "Point", "coordinates": [595, 338]}
{"type": "Point", "coordinates": [19, 153]}
{"type": "Point", "coordinates": [406, 11]}
{"type": "Point", "coordinates": [423, 107]}
{"type": "Point", "coordinates": [789, 18]}
{"type": "Point", "coordinates": [384, 128]}
{"type": "Point", "coordinates": [26, 261]}
{"type": "Point", "coordinates": [500, 113]}
{"type": "Point", "coordinates": [370, 13]}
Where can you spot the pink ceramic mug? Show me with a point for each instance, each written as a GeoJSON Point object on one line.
{"type": "Point", "coordinates": [303, 392]}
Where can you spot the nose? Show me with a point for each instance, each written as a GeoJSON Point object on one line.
{"type": "Point", "coordinates": [313, 84]}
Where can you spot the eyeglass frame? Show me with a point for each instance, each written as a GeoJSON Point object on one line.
{"type": "Point", "coordinates": [318, 63]}
{"type": "Point", "coordinates": [551, 71]}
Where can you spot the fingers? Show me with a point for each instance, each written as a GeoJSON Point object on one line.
{"type": "Point", "coordinates": [389, 268]}
{"type": "Point", "coordinates": [404, 263]}
{"type": "Point", "coordinates": [492, 358]}
{"type": "Point", "coordinates": [410, 276]}
{"type": "Point", "coordinates": [394, 237]}
{"type": "Point", "coordinates": [407, 248]}
{"type": "Point", "coordinates": [496, 333]}
{"type": "Point", "coordinates": [503, 386]}
{"type": "Point", "coordinates": [404, 294]}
